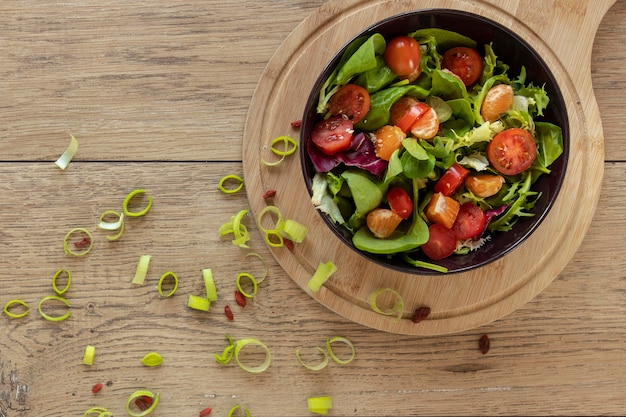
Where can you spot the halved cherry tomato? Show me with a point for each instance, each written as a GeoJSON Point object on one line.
{"type": "Point", "coordinates": [465, 62]}
{"type": "Point", "coordinates": [451, 180]}
{"type": "Point", "coordinates": [484, 185]}
{"type": "Point", "coordinates": [441, 242]}
{"type": "Point", "coordinates": [512, 151]}
{"type": "Point", "coordinates": [406, 111]}
{"type": "Point", "coordinates": [386, 140]}
{"type": "Point", "coordinates": [351, 100]}
{"type": "Point", "coordinates": [442, 210]}
{"type": "Point", "coordinates": [427, 126]}
{"type": "Point", "coordinates": [333, 135]}
{"type": "Point", "coordinates": [402, 55]}
{"type": "Point", "coordinates": [470, 222]}
{"type": "Point", "coordinates": [400, 202]}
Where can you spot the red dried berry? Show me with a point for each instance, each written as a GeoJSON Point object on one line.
{"type": "Point", "coordinates": [143, 403]}
{"type": "Point", "coordinates": [83, 243]}
{"type": "Point", "coordinates": [269, 194]}
{"type": "Point", "coordinates": [240, 299]}
{"type": "Point", "coordinates": [484, 344]}
{"type": "Point", "coordinates": [296, 124]}
{"type": "Point", "coordinates": [96, 388]}
{"type": "Point", "coordinates": [420, 314]}
{"type": "Point", "coordinates": [288, 244]}
{"type": "Point", "coordinates": [205, 412]}
{"type": "Point", "coordinates": [228, 312]}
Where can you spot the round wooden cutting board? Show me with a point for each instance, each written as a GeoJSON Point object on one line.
{"type": "Point", "coordinates": [562, 32]}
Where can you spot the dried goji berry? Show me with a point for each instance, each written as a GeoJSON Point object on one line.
{"type": "Point", "coordinates": [143, 403]}
{"type": "Point", "coordinates": [83, 243]}
{"type": "Point", "coordinates": [484, 344]}
{"type": "Point", "coordinates": [205, 412]}
{"type": "Point", "coordinates": [228, 312]}
{"type": "Point", "coordinates": [288, 244]}
{"type": "Point", "coordinates": [296, 124]}
{"type": "Point", "coordinates": [269, 194]}
{"type": "Point", "coordinates": [240, 299]}
{"type": "Point", "coordinates": [96, 388]}
{"type": "Point", "coordinates": [420, 314]}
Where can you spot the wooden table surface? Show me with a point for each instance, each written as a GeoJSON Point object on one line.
{"type": "Point", "coordinates": [157, 94]}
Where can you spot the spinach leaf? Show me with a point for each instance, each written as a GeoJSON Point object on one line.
{"type": "Point", "coordinates": [381, 102]}
{"type": "Point", "coordinates": [549, 143]}
{"type": "Point", "coordinates": [445, 39]}
{"type": "Point", "coordinates": [376, 78]}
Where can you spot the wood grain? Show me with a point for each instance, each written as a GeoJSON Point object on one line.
{"type": "Point", "coordinates": [560, 354]}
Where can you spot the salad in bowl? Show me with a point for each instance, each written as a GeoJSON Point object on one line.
{"type": "Point", "coordinates": [429, 144]}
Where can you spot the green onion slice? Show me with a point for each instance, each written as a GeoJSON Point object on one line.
{"type": "Point", "coordinates": [323, 272]}
{"type": "Point", "coordinates": [238, 229]}
{"type": "Point", "coordinates": [235, 408]}
{"type": "Point", "coordinates": [255, 287]}
{"type": "Point", "coordinates": [317, 367]}
{"type": "Point", "coordinates": [152, 359]}
{"type": "Point", "coordinates": [196, 302]}
{"type": "Point", "coordinates": [240, 344]}
{"type": "Point", "coordinates": [99, 411]}
{"type": "Point", "coordinates": [66, 157]}
{"type": "Point", "coordinates": [10, 304]}
{"type": "Point", "coordinates": [127, 200]}
{"type": "Point", "coordinates": [227, 354]}
{"type": "Point", "coordinates": [89, 355]}
{"type": "Point", "coordinates": [138, 394]}
{"type": "Point", "coordinates": [230, 178]}
{"type": "Point", "coordinates": [289, 147]}
{"type": "Point", "coordinates": [52, 298]}
{"type": "Point", "coordinates": [258, 281]}
{"type": "Point", "coordinates": [67, 285]}
{"type": "Point", "coordinates": [274, 239]}
{"type": "Point", "coordinates": [74, 231]}
{"type": "Point", "coordinates": [209, 284]}
{"type": "Point", "coordinates": [112, 226]}
{"type": "Point", "coordinates": [142, 270]}
{"type": "Point", "coordinates": [340, 339]}
{"type": "Point", "coordinates": [165, 276]}
{"type": "Point", "coordinates": [269, 210]}
{"type": "Point", "coordinates": [396, 310]}
{"type": "Point", "coordinates": [320, 405]}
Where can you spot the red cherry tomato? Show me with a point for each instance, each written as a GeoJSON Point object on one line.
{"type": "Point", "coordinates": [512, 151]}
{"type": "Point", "coordinates": [400, 202]}
{"type": "Point", "coordinates": [451, 180]}
{"type": "Point", "coordinates": [402, 56]}
{"type": "Point", "coordinates": [465, 62]}
{"type": "Point", "coordinates": [406, 111]}
{"type": "Point", "coordinates": [470, 222]}
{"type": "Point", "coordinates": [333, 135]}
{"type": "Point", "coordinates": [351, 100]}
{"type": "Point", "coordinates": [441, 242]}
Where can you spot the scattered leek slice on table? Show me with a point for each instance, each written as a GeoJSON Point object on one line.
{"type": "Point", "coordinates": [52, 298]}
{"type": "Point", "coordinates": [209, 284]}
{"type": "Point", "coordinates": [67, 285]}
{"type": "Point", "coordinates": [252, 280]}
{"type": "Point", "coordinates": [396, 310]}
{"type": "Point", "coordinates": [139, 394]}
{"type": "Point", "coordinates": [238, 229]}
{"type": "Point", "coordinates": [112, 226]}
{"type": "Point", "coordinates": [99, 411]}
{"type": "Point", "coordinates": [320, 405]}
{"type": "Point", "coordinates": [289, 147]}
{"type": "Point", "coordinates": [321, 275]}
{"type": "Point", "coordinates": [66, 157]}
{"type": "Point", "coordinates": [340, 339]}
{"type": "Point", "coordinates": [230, 178]}
{"type": "Point", "coordinates": [89, 355]}
{"type": "Point", "coordinates": [235, 408]}
{"type": "Point", "coordinates": [9, 313]}
{"type": "Point", "coordinates": [77, 230]}
{"type": "Point", "coordinates": [130, 197]}
{"type": "Point", "coordinates": [317, 367]}
{"type": "Point", "coordinates": [260, 280]}
{"type": "Point", "coordinates": [152, 359]}
{"type": "Point", "coordinates": [164, 277]}
{"type": "Point", "coordinates": [142, 270]}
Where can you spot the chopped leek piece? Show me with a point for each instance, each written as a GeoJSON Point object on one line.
{"type": "Point", "coordinates": [271, 210]}
{"type": "Point", "coordinates": [278, 242]}
{"type": "Point", "coordinates": [341, 339]}
{"type": "Point", "coordinates": [138, 394]}
{"type": "Point", "coordinates": [230, 177]}
{"type": "Point", "coordinates": [240, 344]}
{"type": "Point", "coordinates": [396, 310]}
{"type": "Point", "coordinates": [88, 356]}
{"type": "Point", "coordinates": [289, 145]}
{"type": "Point", "coordinates": [67, 285]}
{"type": "Point", "coordinates": [88, 239]}
{"type": "Point", "coordinates": [252, 280]}
{"type": "Point", "coordinates": [196, 302]}
{"type": "Point", "coordinates": [152, 359]}
{"type": "Point", "coordinates": [99, 411]}
{"type": "Point", "coordinates": [227, 354]}
{"type": "Point", "coordinates": [258, 281]}
{"type": "Point", "coordinates": [235, 408]}
{"type": "Point", "coordinates": [112, 226]}
{"type": "Point", "coordinates": [165, 276]}
{"type": "Point", "coordinates": [209, 284]}
{"type": "Point", "coordinates": [66, 157]}
{"type": "Point", "coordinates": [317, 367]}
{"type": "Point", "coordinates": [51, 298]}
{"type": "Point", "coordinates": [320, 405]}
{"type": "Point", "coordinates": [293, 230]}
{"type": "Point", "coordinates": [238, 229]}
{"type": "Point", "coordinates": [8, 312]}
{"type": "Point", "coordinates": [142, 270]}
{"type": "Point", "coordinates": [127, 200]}
{"type": "Point", "coordinates": [321, 275]}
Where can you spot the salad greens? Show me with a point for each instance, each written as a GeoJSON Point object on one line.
{"type": "Point", "coordinates": [349, 185]}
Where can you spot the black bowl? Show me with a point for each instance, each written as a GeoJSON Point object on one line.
{"type": "Point", "coordinates": [513, 51]}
